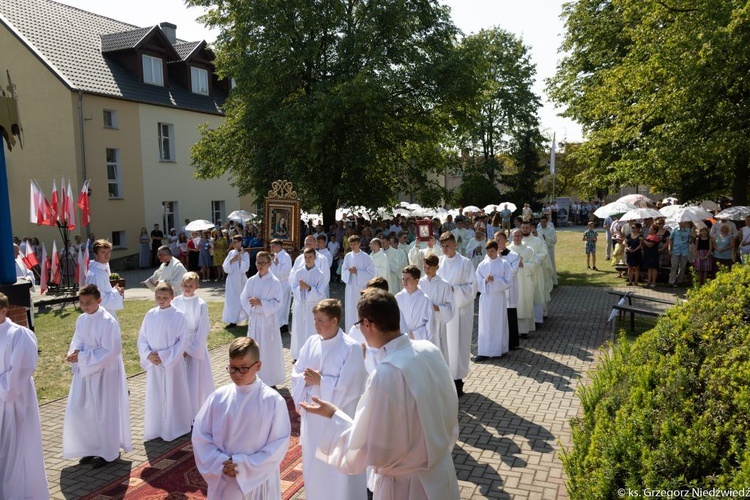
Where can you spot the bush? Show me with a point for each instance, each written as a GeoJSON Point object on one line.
{"type": "Point", "coordinates": [672, 409]}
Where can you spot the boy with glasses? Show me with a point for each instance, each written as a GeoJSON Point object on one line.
{"type": "Point", "coordinates": [241, 433]}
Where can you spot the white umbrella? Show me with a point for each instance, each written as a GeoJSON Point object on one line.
{"type": "Point", "coordinates": [402, 211]}
{"type": "Point", "coordinates": [506, 204]}
{"type": "Point", "coordinates": [490, 208]}
{"type": "Point", "coordinates": [734, 213]}
{"type": "Point", "coordinates": [241, 216]}
{"type": "Point", "coordinates": [690, 214]}
{"type": "Point", "coordinates": [710, 205]}
{"type": "Point", "coordinates": [200, 225]}
{"type": "Point", "coordinates": [472, 209]}
{"type": "Point", "coordinates": [412, 206]}
{"type": "Point", "coordinates": [669, 210]}
{"type": "Point", "coordinates": [616, 207]}
{"type": "Point", "coordinates": [404, 204]}
{"type": "Point", "coordinates": [671, 200]}
{"type": "Point", "coordinates": [637, 199]}
{"type": "Point", "coordinates": [640, 214]}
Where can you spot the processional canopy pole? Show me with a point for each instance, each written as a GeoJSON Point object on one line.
{"type": "Point", "coordinates": [10, 130]}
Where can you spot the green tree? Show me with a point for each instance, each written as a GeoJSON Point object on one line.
{"type": "Point", "coordinates": [502, 67]}
{"type": "Point", "coordinates": [526, 175]}
{"type": "Point", "coordinates": [661, 89]}
{"type": "Point", "coordinates": [347, 99]}
{"type": "Point", "coordinates": [476, 190]}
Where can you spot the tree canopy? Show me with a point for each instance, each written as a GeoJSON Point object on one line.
{"type": "Point", "coordinates": [661, 88]}
{"type": "Point", "coordinates": [348, 99]}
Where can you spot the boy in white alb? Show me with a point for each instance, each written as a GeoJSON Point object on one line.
{"type": "Point", "coordinates": [161, 345]}
{"type": "Point", "coordinates": [21, 455]}
{"type": "Point", "coordinates": [198, 364]}
{"type": "Point", "coordinates": [379, 259]}
{"type": "Point", "coordinates": [98, 274]}
{"type": "Point", "coordinates": [235, 265]}
{"type": "Point", "coordinates": [443, 304]}
{"type": "Point", "coordinates": [241, 433]}
{"type": "Point", "coordinates": [356, 271]}
{"type": "Point", "coordinates": [308, 287]}
{"type": "Point", "coordinates": [330, 366]}
{"type": "Point", "coordinates": [415, 306]}
{"type": "Point", "coordinates": [494, 276]}
{"type": "Point", "coordinates": [97, 415]}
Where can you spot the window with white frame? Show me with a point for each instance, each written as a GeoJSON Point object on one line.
{"type": "Point", "coordinates": [118, 239]}
{"type": "Point", "coordinates": [217, 210]}
{"type": "Point", "coordinates": [166, 142]}
{"type": "Point", "coordinates": [199, 79]}
{"type": "Point", "coordinates": [170, 215]}
{"type": "Point", "coordinates": [152, 70]}
{"type": "Point", "coordinates": [114, 173]}
{"type": "Point", "coordinates": [110, 119]}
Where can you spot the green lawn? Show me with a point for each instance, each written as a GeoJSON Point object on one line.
{"type": "Point", "coordinates": [54, 329]}
{"type": "Point", "coordinates": [571, 261]}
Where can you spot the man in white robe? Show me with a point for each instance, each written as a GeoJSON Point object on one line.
{"type": "Point", "coordinates": [542, 286]}
{"type": "Point", "coordinates": [514, 260]}
{"type": "Point", "coordinates": [546, 231]}
{"type": "Point", "coordinates": [241, 434]}
{"type": "Point", "coordinates": [97, 415]}
{"type": "Point", "coordinates": [443, 304]}
{"type": "Point", "coordinates": [236, 264]}
{"type": "Point", "coordinates": [170, 269]}
{"type": "Point", "coordinates": [21, 455]}
{"type": "Point", "coordinates": [397, 260]}
{"type": "Point", "coordinates": [198, 362]}
{"type": "Point", "coordinates": [462, 234]}
{"type": "Point", "coordinates": [380, 259]}
{"type": "Point", "coordinates": [98, 274]}
{"type": "Point", "coordinates": [415, 306]}
{"type": "Point", "coordinates": [356, 271]}
{"type": "Point", "coordinates": [261, 298]}
{"type": "Point", "coordinates": [526, 286]}
{"type": "Point", "coordinates": [421, 250]}
{"type": "Point", "coordinates": [405, 425]}
{"type": "Point", "coordinates": [475, 247]}
{"type": "Point", "coordinates": [330, 367]}
{"type": "Point", "coordinates": [161, 347]}
{"type": "Point", "coordinates": [308, 289]}
{"type": "Point", "coordinates": [459, 272]}
{"type": "Point", "coordinates": [494, 276]}
{"type": "Point", "coordinates": [281, 267]}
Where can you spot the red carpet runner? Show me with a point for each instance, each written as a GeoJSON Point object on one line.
{"type": "Point", "coordinates": [174, 475]}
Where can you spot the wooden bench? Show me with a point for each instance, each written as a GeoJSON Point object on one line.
{"type": "Point", "coordinates": [623, 308]}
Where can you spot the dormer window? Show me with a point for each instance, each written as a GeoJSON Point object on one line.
{"type": "Point", "coordinates": [152, 70]}
{"type": "Point", "coordinates": [199, 79]}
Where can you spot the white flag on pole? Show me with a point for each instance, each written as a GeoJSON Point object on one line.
{"type": "Point", "coordinates": [552, 156]}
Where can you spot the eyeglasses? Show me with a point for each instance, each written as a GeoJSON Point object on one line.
{"type": "Point", "coordinates": [240, 369]}
{"type": "Point", "coordinates": [360, 321]}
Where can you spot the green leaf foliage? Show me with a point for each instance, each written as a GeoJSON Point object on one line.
{"type": "Point", "coordinates": [661, 89]}
{"type": "Point", "coordinates": [672, 409]}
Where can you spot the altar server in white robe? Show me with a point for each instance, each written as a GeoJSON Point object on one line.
{"type": "Point", "coordinates": [415, 306]}
{"type": "Point", "coordinates": [261, 299]}
{"type": "Point", "coordinates": [462, 234]}
{"type": "Point", "coordinates": [511, 294]}
{"type": "Point", "coordinates": [98, 274]}
{"type": "Point", "coordinates": [422, 249]}
{"type": "Point", "coordinates": [541, 285]}
{"type": "Point", "coordinates": [443, 304]}
{"type": "Point", "coordinates": [236, 264]}
{"type": "Point", "coordinates": [308, 289]}
{"type": "Point", "coordinates": [526, 287]}
{"type": "Point", "coordinates": [397, 260]}
{"type": "Point", "coordinates": [200, 377]}
{"type": "Point", "coordinates": [379, 259]}
{"type": "Point", "coordinates": [494, 276]}
{"type": "Point", "coordinates": [161, 345]}
{"type": "Point", "coordinates": [548, 234]}
{"type": "Point", "coordinates": [241, 434]}
{"type": "Point", "coordinates": [406, 424]}
{"type": "Point", "coordinates": [321, 261]}
{"type": "Point", "coordinates": [97, 415]}
{"type": "Point", "coordinates": [354, 332]}
{"type": "Point", "coordinates": [281, 267]}
{"type": "Point", "coordinates": [356, 271]}
{"type": "Point", "coordinates": [21, 455]}
{"type": "Point", "coordinates": [459, 272]}
{"type": "Point", "coordinates": [330, 367]}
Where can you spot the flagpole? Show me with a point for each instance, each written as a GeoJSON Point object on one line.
{"type": "Point", "coordinates": [7, 258]}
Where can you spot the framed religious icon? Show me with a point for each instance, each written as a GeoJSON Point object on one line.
{"type": "Point", "coordinates": [282, 216]}
{"type": "Point", "coordinates": [424, 230]}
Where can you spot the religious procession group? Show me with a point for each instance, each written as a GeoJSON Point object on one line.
{"type": "Point", "coordinates": [405, 342]}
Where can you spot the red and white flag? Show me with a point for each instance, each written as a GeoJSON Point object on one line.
{"type": "Point", "coordinates": [45, 270]}
{"type": "Point", "coordinates": [29, 257]}
{"type": "Point", "coordinates": [55, 201]}
{"type": "Point", "coordinates": [83, 204]}
{"type": "Point", "coordinates": [36, 206]}
{"type": "Point", "coordinates": [70, 208]}
{"type": "Point", "coordinates": [83, 265]}
{"type": "Point", "coordinates": [54, 274]}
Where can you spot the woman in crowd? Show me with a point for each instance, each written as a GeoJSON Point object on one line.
{"type": "Point", "coordinates": [205, 260]}
{"type": "Point", "coordinates": [194, 250]}
{"type": "Point", "coordinates": [221, 248]}
{"type": "Point", "coordinates": [703, 250]}
{"type": "Point", "coordinates": [723, 245]}
{"type": "Point", "coordinates": [633, 255]}
{"type": "Point", "coordinates": [651, 255]}
{"type": "Point", "coordinates": [663, 233]}
{"type": "Point", "coordinates": [182, 248]}
{"type": "Point", "coordinates": [144, 259]}
{"type": "Point", "coordinates": [173, 241]}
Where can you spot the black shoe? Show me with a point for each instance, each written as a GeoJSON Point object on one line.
{"type": "Point", "coordinates": [86, 460]}
{"type": "Point", "coordinates": [285, 329]}
{"type": "Point", "coordinates": [231, 325]}
{"type": "Point", "coordinates": [479, 359]}
{"type": "Point", "coordinates": [98, 463]}
{"type": "Point", "coordinates": [595, 269]}
{"type": "Point", "coordinates": [459, 387]}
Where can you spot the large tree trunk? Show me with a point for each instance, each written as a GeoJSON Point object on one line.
{"type": "Point", "coordinates": [329, 212]}
{"type": "Point", "coordinates": [741, 178]}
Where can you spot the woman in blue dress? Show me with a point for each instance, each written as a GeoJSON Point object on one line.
{"type": "Point", "coordinates": [205, 260]}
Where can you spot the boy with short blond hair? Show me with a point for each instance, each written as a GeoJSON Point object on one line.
{"type": "Point", "coordinates": [356, 271]}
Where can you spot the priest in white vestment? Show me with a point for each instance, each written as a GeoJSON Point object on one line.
{"type": "Point", "coordinates": [443, 304]}
{"type": "Point", "coordinates": [308, 288]}
{"type": "Point", "coordinates": [459, 272]}
{"type": "Point", "coordinates": [97, 414]}
{"type": "Point", "coordinates": [414, 306]}
{"type": "Point", "coordinates": [171, 269]}
{"type": "Point", "coordinates": [542, 286]}
{"type": "Point", "coordinates": [331, 367]}
{"type": "Point", "coordinates": [462, 234]}
{"type": "Point", "coordinates": [236, 264]}
{"type": "Point", "coordinates": [161, 346]}
{"type": "Point", "coordinates": [241, 433]}
{"type": "Point", "coordinates": [281, 267]}
{"type": "Point", "coordinates": [421, 250]}
{"type": "Point", "coordinates": [380, 259]}
{"type": "Point", "coordinates": [547, 233]}
{"type": "Point", "coordinates": [356, 271]}
{"type": "Point", "coordinates": [397, 260]}
{"type": "Point", "coordinates": [198, 363]}
{"type": "Point", "coordinates": [21, 456]}
{"type": "Point", "coordinates": [494, 276]}
{"type": "Point", "coordinates": [98, 274]}
{"type": "Point", "coordinates": [475, 247]}
{"type": "Point", "coordinates": [526, 286]}
{"type": "Point", "coordinates": [261, 299]}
